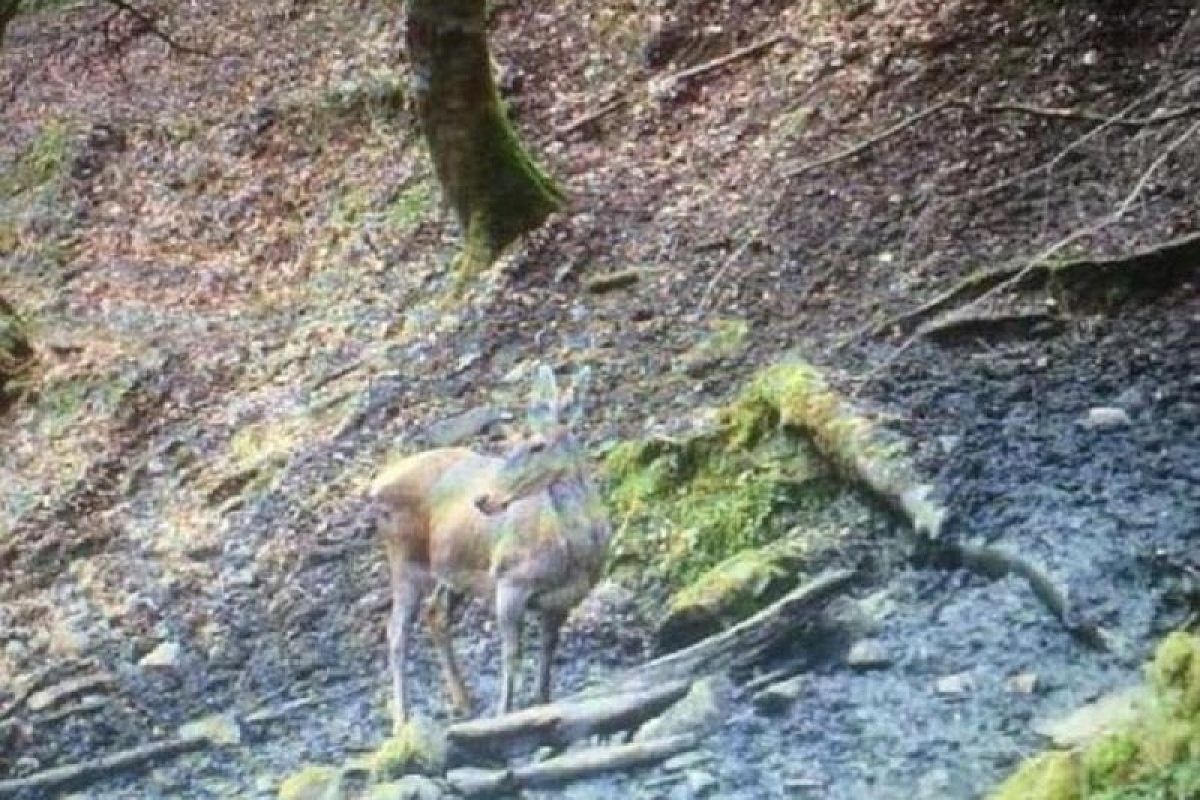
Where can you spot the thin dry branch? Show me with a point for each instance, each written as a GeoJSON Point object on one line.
{"type": "Point", "coordinates": [1157, 118]}
{"type": "Point", "coordinates": [728, 58]}
{"type": "Point", "coordinates": [154, 30]}
{"type": "Point", "coordinates": [871, 141]}
{"type": "Point", "coordinates": [73, 775]}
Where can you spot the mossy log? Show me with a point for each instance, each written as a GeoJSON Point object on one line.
{"type": "Point", "coordinates": [496, 190]}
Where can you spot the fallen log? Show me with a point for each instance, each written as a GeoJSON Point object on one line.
{"type": "Point", "coordinates": [569, 767]}
{"type": "Point", "coordinates": [741, 645]}
{"type": "Point", "coordinates": [560, 723]}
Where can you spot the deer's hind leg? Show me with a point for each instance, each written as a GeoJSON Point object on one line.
{"type": "Point", "coordinates": [438, 617]}
{"type": "Point", "coordinates": [410, 582]}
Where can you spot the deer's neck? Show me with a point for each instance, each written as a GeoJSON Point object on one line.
{"type": "Point", "coordinates": [578, 504]}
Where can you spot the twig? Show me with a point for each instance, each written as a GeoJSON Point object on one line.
{"type": "Point", "coordinates": [155, 31]}
{"type": "Point", "coordinates": [75, 774]}
{"type": "Point", "coordinates": [1157, 118]}
{"type": "Point", "coordinates": [728, 58]}
{"type": "Point", "coordinates": [604, 109]}
{"type": "Point", "coordinates": [871, 141]}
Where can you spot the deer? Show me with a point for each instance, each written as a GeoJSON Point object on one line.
{"type": "Point", "coordinates": [524, 532]}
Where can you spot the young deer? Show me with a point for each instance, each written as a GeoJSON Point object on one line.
{"type": "Point", "coordinates": [527, 531]}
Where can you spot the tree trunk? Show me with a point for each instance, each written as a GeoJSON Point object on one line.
{"type": "Point", "coordinates": [498, 193]}
{"type": "Point", "coordinates": [8, 10]}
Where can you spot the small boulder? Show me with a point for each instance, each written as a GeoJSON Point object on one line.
{"type": "Point", "coordinates": [868, 654]}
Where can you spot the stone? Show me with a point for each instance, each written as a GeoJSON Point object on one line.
{"type": "Point", "coordinates": [1091, 720]}
{"type": "Point", "coordinates": [700, 782]}
{"type": "Point", "coordinates": [780, 696]}
{"type": "Point", "coordinates": [473, 781]}
{"type": "Point", "coordinates": [1104, 418]}
{"type": "Point", "coordinates": [220, 729]}
{"type": "Point", "coordinates": [164, 656]}
{"type": "Point", "coordinates": [868, 654]}
{"type": "Point", "coordinates": [956, 684]}
{"type": "Point", "coordinates": [703, 708]}
{"type": "Point", "coordinates": [410, 787]}
{"type": "Point", "coordinates": [1022, 683]}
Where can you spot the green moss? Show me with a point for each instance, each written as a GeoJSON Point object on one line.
{"type": "Point", "coordinates": [1112, 759]}
{"type": "Point", "coordinates": [1175, 673]}
{"type": "Point", "coordinates": [1156, 756]}
{"type": "Point", "coordinates": [684, 506]}
{"type": "Point", "coordinates": [1050, 776]}
{"type": "Point", "coordinates": [313, 782]}
{"type": "Point", "coordinates": [418, 747]}
{"type": "Point", "coordinates": [42, 162]}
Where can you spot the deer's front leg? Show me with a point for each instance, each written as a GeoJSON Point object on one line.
{"type": "Point", "coordinates": [510, 609]}
{"type": "Point", "coordinates": [552, 622]}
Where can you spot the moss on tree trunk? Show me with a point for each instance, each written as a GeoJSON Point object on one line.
{"type": "Point", "coordinates": [15, 352]}
{"type": "Point", "coordinates": [494, 186]}
{"type": "Point", "coordinates": [8, 10]}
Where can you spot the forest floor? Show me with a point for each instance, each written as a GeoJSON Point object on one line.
{"type": "Point", "coordinates": [235, 268]}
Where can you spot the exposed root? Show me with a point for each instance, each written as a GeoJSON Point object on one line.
{"type": "Point", "coordinates": [1153, 267]}
{"type": "Point", "coordinates": [992, 326]}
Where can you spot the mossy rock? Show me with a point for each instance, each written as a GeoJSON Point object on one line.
{"type": "Point", "coordinates": [727, 593]}
{"type": "Point", "coordinates": [1051, 776]}
{"type": "Point", "coordinates": [313, 782]}
{"type": "Point", "coordinates": [417, 748]}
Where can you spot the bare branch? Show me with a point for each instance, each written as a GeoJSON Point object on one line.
{"type": "Point", "coordinates": [154, 30]}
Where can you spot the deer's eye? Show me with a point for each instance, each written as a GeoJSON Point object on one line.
{"type": "Point", "coordinates": [537, 447]}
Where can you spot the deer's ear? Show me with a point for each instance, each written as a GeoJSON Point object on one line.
{"type": "Point", "coordinates": [543, 400]}
{"type": "Point", "coordinates": [572, 404]}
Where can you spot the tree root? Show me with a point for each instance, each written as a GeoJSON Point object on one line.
{"type": "Point", "coordinates": [955, 328]}
{"type": "Point", "coordinates": [1155, 267]}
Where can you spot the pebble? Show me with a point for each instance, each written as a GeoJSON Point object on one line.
{"type": "Point", "coordinates": [1023, 683]}
{"type": "Point", "coordinates": [1104, 418]}
{"type": "Point", "coordinates": [959, 683]}
{"type": "Point", "coordinates": [165, 656]}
